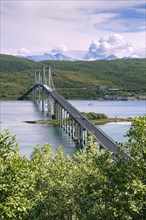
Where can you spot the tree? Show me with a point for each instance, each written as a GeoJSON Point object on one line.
{"type": "Point", "coordinates": [16, 180]}
{"type": "Point", "coordinates": [89, 185]}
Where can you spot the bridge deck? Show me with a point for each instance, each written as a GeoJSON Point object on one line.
{"type": "Point", "coordinates": [105, 141]}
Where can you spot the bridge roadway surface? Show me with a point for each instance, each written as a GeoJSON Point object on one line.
{"type": "Point", "coordinates": [103, 139]}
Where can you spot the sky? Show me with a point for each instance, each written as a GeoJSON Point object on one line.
{"type": "Point", "coordinates": [99, 28]}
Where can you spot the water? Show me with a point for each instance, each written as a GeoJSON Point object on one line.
{"type": "Point", "coordinates": [14, 114]}
{"type": "Point", "coordinates": [116, 130]}
{"type": "Point", "coordinates": [120, 109]}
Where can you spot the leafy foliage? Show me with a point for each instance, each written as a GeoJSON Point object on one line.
{"type": "Point", "coordinates": [89, 185]}
{"type": "Point", "coordinates": [93, 115]}
{"type": "Point", "coordinates": [15, 180]}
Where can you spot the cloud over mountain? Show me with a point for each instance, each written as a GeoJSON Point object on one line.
{"type": "Point", "coordinates": [59, 49]}
{"type": "Point", "coordinates": [23, 52]}
{"type": "Point", "coordinates": [71, 22]}
{"type": "Point", "coordinates": [106, 48]}
{"type": "Point", "coordinates": [109, 45]}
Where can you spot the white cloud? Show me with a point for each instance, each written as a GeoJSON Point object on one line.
{"type": "Point", "coordinates": [110, 45]}
{"type": "Point", "coordinates": [38, 25]}
{"type": "Point", "coordinates": [59, 49]}
{"type": "Point", "coordinates": [23, 52]}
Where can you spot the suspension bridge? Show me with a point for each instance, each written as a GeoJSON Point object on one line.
{"type": "Point", "coordinates": [69, 118]}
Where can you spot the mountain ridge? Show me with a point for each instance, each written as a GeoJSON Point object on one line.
{"type": "Point", "coordinates": [48, 56]}
{"type": "Point", "coordinates": [63, 57]}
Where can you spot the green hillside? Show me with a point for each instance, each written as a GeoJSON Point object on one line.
{"type": "Point", "coordinates": [74, 80]}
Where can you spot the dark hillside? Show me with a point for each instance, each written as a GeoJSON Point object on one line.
{"type": "Point", "coordinates": [74, 80]}
{"type": "Point", "coordinates": [10, 64]}
{"type": "Point", "coordinates": [16, 76]}
{"type": "Point", "coordinates": [79, 78]}
{"type": "Point", "coordinates": [125, 74]}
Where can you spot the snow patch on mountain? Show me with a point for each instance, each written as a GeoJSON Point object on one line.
{"type": "Point", "coordinates": [47, 56]}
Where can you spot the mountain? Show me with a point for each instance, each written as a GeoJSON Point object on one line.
{"type": "Point", "coordinates": [47, 56]}
{"type": "Point", "coordinates": [37, 58]}
{"type": "Point", "coordinates": [111, 57]}
{"type": "Point", "coordinates": [93, 57]}
{"type": "Point", "coordinates": [78, 55]}
{"type": "Point", "coordinates": [60, 56]}
{"type": "Point", "coordinates": [127, 58]}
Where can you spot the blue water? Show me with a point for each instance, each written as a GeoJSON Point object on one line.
{"type": "Point", "coordinates": [14, 114]}
{"type": "Point", "coordinates": [120, 109]}
{"type": "Point", "coordinates": [116, 130]}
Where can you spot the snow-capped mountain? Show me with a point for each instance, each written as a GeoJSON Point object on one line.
{"type": "Point", "coordinates": [67, 57]}
{"type": "Point", "coordinates": [47, 56]}
{"type": "Point", "coordinates": [60, 56]}
{"type": "Point", "coordinates": [111, 57]}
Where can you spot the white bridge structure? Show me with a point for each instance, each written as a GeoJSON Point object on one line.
{"type": "Point", "coordinates": [69, 118]}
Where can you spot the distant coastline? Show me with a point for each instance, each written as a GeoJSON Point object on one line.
{"type": "Point", "coordinates": [137, 98]}
{"type": "Point", "coordinates": [128, 98]}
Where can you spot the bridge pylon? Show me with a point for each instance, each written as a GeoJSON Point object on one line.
{"type": "Point", "coordinates": [37, 90]}
{"type": "Point", "coordinates": [68, 117]}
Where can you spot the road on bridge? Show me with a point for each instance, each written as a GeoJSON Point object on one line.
{"type": "Point", "coordinates": [103, 139]}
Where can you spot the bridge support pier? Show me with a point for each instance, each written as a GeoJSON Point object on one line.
{"type": "Point", "coordinates": [70, 119]}
{"type": "Point", "coordinates": [65, 119]}
{"type": "Point", "coordinates": [70, 125]}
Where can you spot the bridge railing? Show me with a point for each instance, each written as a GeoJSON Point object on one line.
{"type": "Point", "coordinates": [104, 140]}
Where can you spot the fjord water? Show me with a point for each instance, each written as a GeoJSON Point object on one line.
{"type": "Point", "coordinates": [14, 114]}
{"type": "Point", "coordinates": [120, 109]}
{"type": "Point", "coordinates": [113, 109]}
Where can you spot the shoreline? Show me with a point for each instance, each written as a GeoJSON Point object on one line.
{"type": "Point", "coordinates": [95, 121]}
{"type": "Point", "coordinates": [108, 120]}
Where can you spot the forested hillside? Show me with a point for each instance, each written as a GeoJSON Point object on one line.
{"type": "Point", "coordinates": [74, 80]}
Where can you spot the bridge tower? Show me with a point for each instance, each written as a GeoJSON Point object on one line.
{"type": "Point", "coordinates": [69, 118]}
{"type": "Point", "coordinates": [37, 90]}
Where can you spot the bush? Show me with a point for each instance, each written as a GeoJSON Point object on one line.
{"type": "Point", "coordinates": [89, 185]}
{"type": "Point", "coordinates": [94, 116]}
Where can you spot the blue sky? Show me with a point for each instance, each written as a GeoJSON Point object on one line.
{"type": "Point", "coordinates": [29, 27]}
{"type": "Point", "coordinates": [130, 19]}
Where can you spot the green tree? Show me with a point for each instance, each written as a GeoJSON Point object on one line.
{"type": "Point", "coordinates": [16, 180]}
{"type": "Point", "coordinates": [89, 185]}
